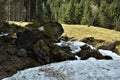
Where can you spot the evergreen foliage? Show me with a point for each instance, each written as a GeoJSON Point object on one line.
{"type": "Point", "coordinates": [105, 13]}
{"type": "Point", "coordinates": [2, 10]}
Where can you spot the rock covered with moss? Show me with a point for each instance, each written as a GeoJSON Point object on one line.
{"type": "Point", "coordinates": [32, 45]}
{"type": "Point", "coordinates": [86, 52]}
{"type": "Point", "coordinates": [38, 39]}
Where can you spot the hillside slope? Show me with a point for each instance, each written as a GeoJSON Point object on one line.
{"type": "Point", "coordinates": [82, 31]}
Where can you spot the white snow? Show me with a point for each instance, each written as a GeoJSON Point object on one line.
{"type": "Point", "coordinates": [90, 69]}
{"type": "Point", "coordinates": [3, 34]}
{"type": "Point", "coordinates": [110, 53]}
{"type": "Point", "coordinates": [41, 28]}
{"type": "Point", "coordinates": [77, 57]}
{"type": "Point", "coordinates": [74, 46]}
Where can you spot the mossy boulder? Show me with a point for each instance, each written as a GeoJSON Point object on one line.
{"type": "Point", "coordinates": [31, 46]}
{"type": "Point", "coordinates": [61, 54]}
{"type": "Point", "coordinates": [51, 29]}
{"type": "Point", "coordinates": [47, 53]}
{"type": "Point", "coordinates": [111, 46]}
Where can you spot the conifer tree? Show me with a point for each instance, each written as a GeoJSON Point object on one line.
{"type": "Point", "coordinates": [86, 19]}
{"type": "Point", "coordinates": [70, 14]}
{"type": "Point", "coordinates": [78, 13]}
{"type": "Point", "coordinates": [115, 14]}
{"type": "Point", "coordinates": [104, 17]}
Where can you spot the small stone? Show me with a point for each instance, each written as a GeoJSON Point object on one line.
{"type": "Point", "coordinates": [22, 52]}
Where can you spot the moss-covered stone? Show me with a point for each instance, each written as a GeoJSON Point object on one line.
{"type": "Point", "coordinates": [87, 52]}
{"type": "Point", "coordinates": [59, 54]}
{"type": "Point", "coordinates": [51, 29]}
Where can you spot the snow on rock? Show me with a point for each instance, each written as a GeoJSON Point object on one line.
{"type": "Point", "coordinates": [110, 53]}
{"type": "Point", "coordinates": [90, 69]}
{"type": "Point", "coordinates": [74, 46]}
{"type": "Point", "coordinates": [41, 28]}
{"type": "Point", "coordinates": [3, 34]}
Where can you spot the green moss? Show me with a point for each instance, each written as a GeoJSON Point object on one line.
{"type": "Point", "coordinates": [50, 30]}
{"type": "Point", "coordinates": [41, 44]}
{"type": "Point", "coordinates": [44, 46]}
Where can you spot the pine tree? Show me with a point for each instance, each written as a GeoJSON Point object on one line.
{"type": "Point", "coordinates": [78, 13]}
{"type": "Point", "coordinates": [69, 17]}
{"type": "Point", "coordinates": [86, 19]}
{"type": "Point", "coordinates": [104, 17]}
{"type": "Point", "coordinates": [115, 14]}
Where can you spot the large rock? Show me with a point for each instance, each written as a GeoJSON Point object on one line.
{"type": "Point", "coordinates": [87, 52]}
{"type": "Point", "coordinates": [47, 53]}
{"type": "Point", "coordinates": [61, 54]}
{"type": "Point", "coordinates": [50, 29]}
{"type": "Point", "coordinates": [31, 47]}
{"type": "Point", "coordinates": [25, 39]}
{"type": "Point", "coordinates": [22, 52]}
{"type": "Point", "coordinates": [110, 46]}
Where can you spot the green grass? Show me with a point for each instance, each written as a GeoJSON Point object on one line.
{"type": "Point", "coordinates": [82, 31]}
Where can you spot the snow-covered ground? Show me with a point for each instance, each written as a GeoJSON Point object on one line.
{"type": "Point", "coordinates": [90, 69]}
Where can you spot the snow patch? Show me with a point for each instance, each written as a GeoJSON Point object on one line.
{"type": "Point", "coordinates": [90, 69]}
{"type": "Point", "coordinates": [109, 53]}
{"type": "Point", "coordinates": [77, 57]}
{"type": "Point", "coordinates": [41, 28]}
{"type": "Point", "coordinates": [74, 46]}
{"type": "Point", "coordinates": [3, 34]}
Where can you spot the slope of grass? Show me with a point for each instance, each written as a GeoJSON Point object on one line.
{"type": "Point", "coordinates": [82, 31]}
